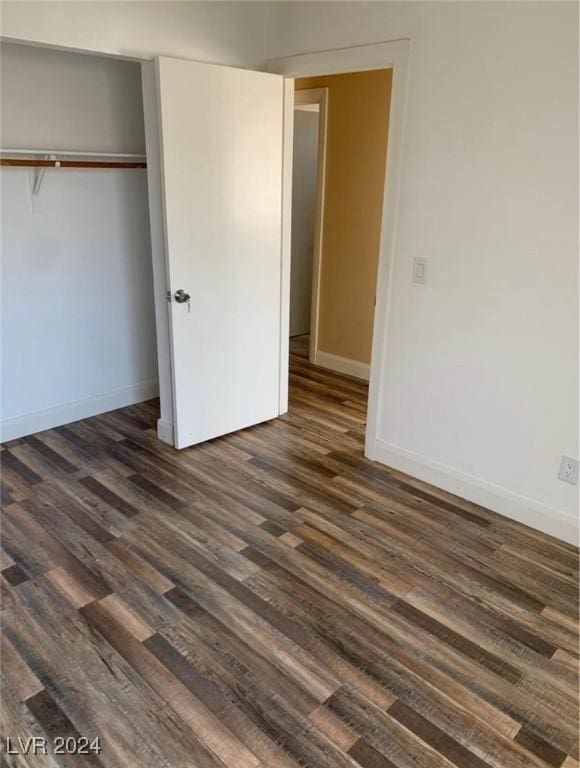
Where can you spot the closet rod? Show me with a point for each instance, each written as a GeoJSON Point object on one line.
{"type": "Point", "coordinates": [19, 163]}
{"type": "Point", "coordinates": [73, 153]}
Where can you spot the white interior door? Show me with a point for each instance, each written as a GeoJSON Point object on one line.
{"type": "Point", "coordinates": [221, 134]}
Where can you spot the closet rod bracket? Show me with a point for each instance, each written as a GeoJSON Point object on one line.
{"type": "Point", "coordinates": [40, 173]}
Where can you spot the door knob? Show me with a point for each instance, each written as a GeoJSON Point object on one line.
{"type": "Point", "coordinates": [181, 297]}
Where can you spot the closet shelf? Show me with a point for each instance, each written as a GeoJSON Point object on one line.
{"type": "Point", "coordinates": [46, 158]}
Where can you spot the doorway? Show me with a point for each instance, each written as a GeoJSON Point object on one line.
{"type": "Point", "coordinates": [341, 127]}
{"type": "Point", "coordinates": [241, 213]}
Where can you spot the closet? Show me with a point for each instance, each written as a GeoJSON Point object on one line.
{"type": "Point", "coordinates": [143, 242]}
{"type": "Point", "coordinates": [78, 327]}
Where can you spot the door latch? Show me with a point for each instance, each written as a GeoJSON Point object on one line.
{"type": "Point", "coordinates": [181, 297]}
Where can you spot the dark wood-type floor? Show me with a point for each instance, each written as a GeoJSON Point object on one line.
{"type": "Point", "coordinates": [273, 599]}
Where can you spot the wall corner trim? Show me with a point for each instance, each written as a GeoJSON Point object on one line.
{"type": "Point", "coordinates": [29, 423]}
{"type": "Point", "coordinates": [535, 514]}
{"type": "Point", "coordinates": [165, 431]}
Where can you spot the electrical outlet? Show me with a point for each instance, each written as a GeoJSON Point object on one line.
{"type": "Point", "coordinates": [419, 270]}
{"type": "Point", "coordinates": [568, 470]}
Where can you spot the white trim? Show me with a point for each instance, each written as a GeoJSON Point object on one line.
{"type": "Point", "coordinates": [286, 250]}
{"type": "Point", "coordinates": [309, 97]}
{"type": "Point", "coordinates": [524, 510]}
{"type": "Point", "coordinates": [319, 97]}
{"type": "Point", "coordinates": [165, 431]}
{"type": "Point", "coordinates": [307, 107]}
{"type": "Point", "coordinates": [389, 55]}
{"type": "Point", "coordinates": [20, 426]}
{"type": "Point", "coordinates": [342, 365]}
{"type": "Point", "coordinates": [157, 230]}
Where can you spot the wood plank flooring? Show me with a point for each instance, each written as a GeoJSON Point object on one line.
{"type": "Point", "coordinates": [273, 599]}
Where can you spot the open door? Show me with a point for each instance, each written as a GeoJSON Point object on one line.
{"type": "Point", "coordinates": [221, 139]}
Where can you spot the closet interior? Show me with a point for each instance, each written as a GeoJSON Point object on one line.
{"type": "Point", "coordinates": [78, 322]}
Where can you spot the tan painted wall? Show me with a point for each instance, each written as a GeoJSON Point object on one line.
{"type": "Point", "coordinates": [357, 132]}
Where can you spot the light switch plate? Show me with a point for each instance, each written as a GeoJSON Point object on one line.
{"type": "Point", "coordinates": [419, 270]}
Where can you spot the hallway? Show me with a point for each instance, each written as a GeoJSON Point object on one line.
{"type": "Point", "coordinates": [271, 598]}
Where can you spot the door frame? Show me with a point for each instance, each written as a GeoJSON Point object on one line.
{"type": "Point", "coordinates": [316, 96]}
{"type": "Point", "coordinates": [386, 55]}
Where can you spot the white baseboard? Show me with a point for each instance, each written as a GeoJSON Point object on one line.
{"type": "Point", "coordinates": [524, 510]}
{"type": "Point", "coordinates": [20, 426]}
{"type": "Point", "coordinates": [342, 365]}
{"type": "Point", "coordinates": [165, 431]}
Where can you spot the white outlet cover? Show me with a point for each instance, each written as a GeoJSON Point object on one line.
{"type": "Point", "coordinates": [419, 270]}
{"type": "Point", "coordinates": [568, 470]}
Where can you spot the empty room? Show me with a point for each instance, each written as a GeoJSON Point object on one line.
{"type": "Point", "coordinates": [289, 363]}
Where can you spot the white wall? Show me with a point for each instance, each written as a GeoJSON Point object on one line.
{"type": "Point", "coordinates": [304, 172]}
{"type": "Point", "coordinates": [481, 377]}
{"type": "Point", "coordinates": [55, 100]}
{"type": "Point", "coordinates": [221, 32]}
{"type": "Point", "coordinates": [78, 331]}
